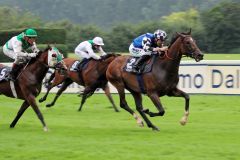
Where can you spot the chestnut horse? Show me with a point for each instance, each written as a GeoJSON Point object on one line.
{"type": "Point", "coordinates": [162, 80]}
{"type": "Point", "coordinates": [93, 77]}
{"type": "Point", "coordinates": [29, 82]}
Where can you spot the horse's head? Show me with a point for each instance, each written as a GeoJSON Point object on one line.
{"type": "Point", "coordinates": [51, 57]}
{"type": "Point", "coordinates": [189, 46]}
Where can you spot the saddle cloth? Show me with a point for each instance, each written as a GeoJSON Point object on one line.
{"type": "Point", "coordinates": [145, 68]}
{"type": "Point", "coordinates": [79, 65]}
{"type": "Point", "coordinates": [4, 72]}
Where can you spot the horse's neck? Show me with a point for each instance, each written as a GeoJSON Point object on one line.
{"type": "Point", "coordinates": [102, 66]}
{"type": "Point", "coordinates": [175, 55]}
{"type": "Point", "coordinates": [38, 69]}
{"type": "Point", "coordinates": [173, 58]}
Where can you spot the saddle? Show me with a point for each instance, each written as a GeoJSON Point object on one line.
{"type": "Point", "coordinates": [145, 68]}
{"type": "Point", "coordinates": [78, 66]}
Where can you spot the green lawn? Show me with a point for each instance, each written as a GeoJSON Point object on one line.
{"type": "Point", "coordinates": [100, 133]}
{"type": "Point", "coordinates": [220, 56]}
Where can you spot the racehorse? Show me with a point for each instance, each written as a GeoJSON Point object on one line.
{"type": "Point", "coordinates": [93, 77]}
{"type": "Point", "coordinates": [29, 82]}
{"type": "Point", "coordinates": [162, 80]}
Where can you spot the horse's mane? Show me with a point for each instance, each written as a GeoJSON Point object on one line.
{"type": "Point", "coordinates": [110, 55]}
{"type": "Point", "coordinates": [39, 53]}
{"type": "Point", "coordinates": [175, 37]}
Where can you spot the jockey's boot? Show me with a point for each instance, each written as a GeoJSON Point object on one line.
{"type": "Point", "coordinates": [14, 72]}
{"type": "Point", "coordinates": [138, 64]}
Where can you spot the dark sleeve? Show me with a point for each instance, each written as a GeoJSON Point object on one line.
{"type": "Point", "coordinates": [146, 43]}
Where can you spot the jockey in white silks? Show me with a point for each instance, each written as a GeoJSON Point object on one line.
{"type": "Point", "coordinates": [85, 50]}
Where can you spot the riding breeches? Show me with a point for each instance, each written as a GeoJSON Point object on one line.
{"type": "Point", "coordinates": [138, 52]}
{"type": "Point", "coordinates": [8, 52]}
{"type": "Point", "coordinates": [11, 54]}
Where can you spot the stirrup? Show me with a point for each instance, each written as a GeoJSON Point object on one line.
{"type": "Point", "coordinates": [10, 78]}
{"type": "Point", "coordinates": [135, 70]}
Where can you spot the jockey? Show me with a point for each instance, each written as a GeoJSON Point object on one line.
{"type": "Point", "coordinates": [15, 48]}
{"type": "Point", "coordinates": [145, 45]}
{"type": "Point", "coordinates": [86, 49]}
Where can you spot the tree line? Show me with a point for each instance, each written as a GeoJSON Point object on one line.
{"type": "Point", "coordinates": [216, 29]}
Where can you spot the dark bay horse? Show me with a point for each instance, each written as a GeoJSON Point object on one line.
{"type": "Point", "coordinates": [29, 82]}
{"type": "Point", "coordinates": [162, 80]}
{"type": "Point", "coordinates": [93, 77]}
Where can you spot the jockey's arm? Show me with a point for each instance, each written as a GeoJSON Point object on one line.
{"type": "Point", "coordinates": [146, 43]}
{"type": "Point", "coordinates": [34, 48]}
{"type": "Point", "coordinates": [17, 48]}
{"type": "Point", "coordinates": [102, 51]}
{"type": "Point", "coordinates": [92, 54]}
{"type": "Point", "coordinates": [147, 46]}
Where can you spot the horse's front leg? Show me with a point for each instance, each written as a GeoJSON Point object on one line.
{"type": "Point", "coordinates": [139, 107]}
{"type": "Point", "coordinates": [46, 94]}
{"type": "Point", "coordinates": [179, 93]}
{"type": "Point", "coordinates": [64, 86]}
{"type": "Point", "coordinates": [24, 106]}
{"type": "Point", "coordinates": [31, 99]}
{"type": "Point", "coordinates": [58, 80]}
{"type": "Point", "coordinates": [87, 92]}
{"type": "Point", "coordinates": [108, 94]}
{"type": "Point", "coordinates": [156, 101]}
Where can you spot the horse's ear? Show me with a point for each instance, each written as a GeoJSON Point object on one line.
{"type": "Point", "coordinates": [49, 46]}
{"type": "Point", "coordinates": [189, 32]}
{"type": "Point", "coordinates": [180, 34]}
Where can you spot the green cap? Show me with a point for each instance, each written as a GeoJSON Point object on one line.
{"type": "Point", "coordinates": [31, 32]}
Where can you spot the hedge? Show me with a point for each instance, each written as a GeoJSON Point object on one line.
{"type": "Point", "coordinates": [45, 36]}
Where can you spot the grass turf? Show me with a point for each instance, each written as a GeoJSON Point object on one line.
{"type": "Point", "coordinates": [100, 133]}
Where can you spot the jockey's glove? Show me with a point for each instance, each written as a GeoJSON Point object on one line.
{"type": "Point", "coordinates": [32, 55]}
{"type": "Point", "coordinates": [36, 50]}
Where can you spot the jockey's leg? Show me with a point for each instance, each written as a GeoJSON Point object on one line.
{"type": "Point", "coordinates": [14, 72]}
{"type": "Point", "coordinates": [15, 67]}
{"type": "Point", "coordinates": [139, 62]}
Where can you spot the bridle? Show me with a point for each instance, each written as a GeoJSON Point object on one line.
{"type": "Point", "coordinates": [188, 53]}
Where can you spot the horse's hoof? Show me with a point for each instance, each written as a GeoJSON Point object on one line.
{"type": "Point", "coordinates": [183, 122]}
{"type": "Point", "coordinates": [117, 110]}
{"type": "Point", "coordinates": [155, 128]}
{"type": "Point", "coordinates": [145, 110]}
{"type": "Point", "coordinates": [141, 124]}
{"type": "Point", "coordinates": [41, 100]}
{"type": "Point", "coordinates": [45, 129]}
{"type": "Point", "coordinates": [49, 105]}
{"type": "Point", "coordinates": [11, 126]}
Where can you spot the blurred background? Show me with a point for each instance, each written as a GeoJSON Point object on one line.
{"type": "Point", "coordinates": [215, 23]}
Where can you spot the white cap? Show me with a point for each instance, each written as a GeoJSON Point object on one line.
{"type": "Point", "coordinates": [98, 41]}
